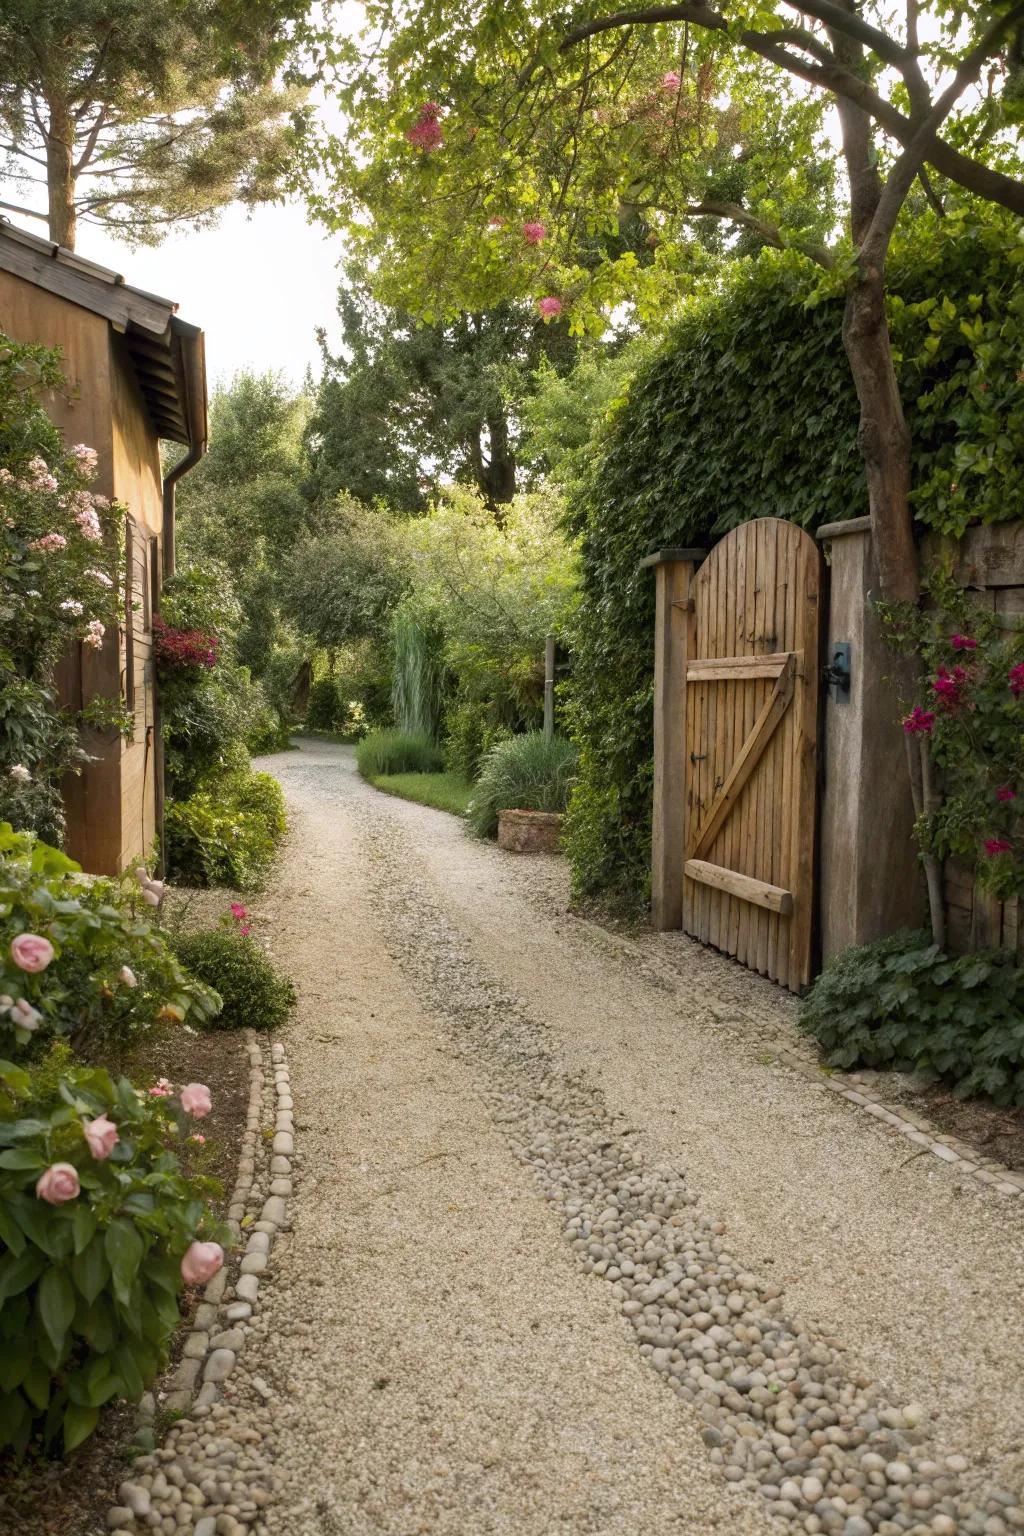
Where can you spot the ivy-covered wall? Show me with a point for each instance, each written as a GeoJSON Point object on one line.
{"type": "Point", "coordinates": [748, 410]}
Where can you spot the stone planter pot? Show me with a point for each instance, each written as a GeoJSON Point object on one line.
{"type": "Point", "coordinates": [529, 831]}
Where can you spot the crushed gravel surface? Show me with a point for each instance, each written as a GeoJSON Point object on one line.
{"type": "Point", "coordinates": [569, 1253]}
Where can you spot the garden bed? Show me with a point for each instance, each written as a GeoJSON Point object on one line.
{"type": "Point", "coordinates": [41, 1497]}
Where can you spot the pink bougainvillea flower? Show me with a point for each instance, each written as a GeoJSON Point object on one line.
{"type": "Point", "coordinates": [671, 81]}
{"type": "Point", "coordinates": [31, 952]}
{"type": "Point", "coordinates": [425, 132]}
{"type": "Point", "coordinates": [549, 307]}
{"type": "Point", "coordinates": [58, 1184]}
{"type": "Point", "coordinates": [996, 845]}
{"type": "Point", "coordinates": [200, 1262]}
{"type": "Point", "coordinates": [918, 720]}
{"type": "Point", "coordinates": [128, 976]}
{"type": "Point", "coordinates": [963, 643]}
{"type": "Point", "coordinates": [1015, 678]}
{"type": "Point", "coordinates": [196, 1100]}
{"type": "Point", "coordinates": [534, 233]}
{"type": "Point", "coordinates": [101, 1135]}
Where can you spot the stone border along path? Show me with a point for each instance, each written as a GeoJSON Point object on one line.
{"type": "Point", "coordinates": [781, 1415]}
{"type": "Point", "coordinates": [201, 1480]}
{"type": "Point", "coordinates": [970, 1161]}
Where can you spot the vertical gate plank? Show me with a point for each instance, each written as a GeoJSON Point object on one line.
{"type": "Point", "coordinates": [770, 806]}
{"type": "Point", "coordinates": [733, 827]}
{"type": "Point", "coordinates": [805, 725]}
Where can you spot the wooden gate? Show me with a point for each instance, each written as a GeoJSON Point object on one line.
{"type": "Point", "coordinates": [743, 675]}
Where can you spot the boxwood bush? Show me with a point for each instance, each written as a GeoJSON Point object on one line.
{"type": "Point", "coordinates": [227, 833]}
{"type": "Point", "coordinates": [92, 1238]}
{"type": "Point", "coordinates": [253, 993]}
{"type": "Point", "coordinates": [902, 1004]}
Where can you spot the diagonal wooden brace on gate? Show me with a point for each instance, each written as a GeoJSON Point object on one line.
{"type": "Point", "coordinates": [783, 668]}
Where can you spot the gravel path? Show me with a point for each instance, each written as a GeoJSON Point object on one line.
{"type": "Point", "coordinates": [495, 1106]}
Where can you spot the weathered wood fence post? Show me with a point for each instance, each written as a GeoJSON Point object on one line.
{"type": "Point", "coordinates": [673, 571]}
{"type": "Point", "coordinates": [549, 687]}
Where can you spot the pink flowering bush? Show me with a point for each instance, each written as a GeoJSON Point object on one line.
{"type": "Point", "coordinates": [81, 958]}
{"type": "Point", "coordinates": [59, 565]}
{"type": "Point", "coordinates": [100, 1230]}
{"type": "Point", "coordinates": [969, 706]}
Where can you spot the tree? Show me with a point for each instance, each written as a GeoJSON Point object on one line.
{"type": "Point", "coordinates": [136, 114]}
{"type": "Point", "coordinates": [481, 126]}
{"type": "Point", "coordinates": [406, 403]}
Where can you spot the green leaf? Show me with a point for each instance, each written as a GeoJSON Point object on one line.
{"type": "Point", "coordinates": [56, 1303]}
{"type": "Point", "coordinates": [90, 1270]}
{"type": "Point", "coordinates": [79, 1423]}
{"type": "Point", "coordinates": [36, 1385]}
{"type": "Point", "coordinates": [83, 1225]}
{"type": "Point", "coordinates": [18, 1271]}
{"type": "Point", "coordinates": [124, 1249]}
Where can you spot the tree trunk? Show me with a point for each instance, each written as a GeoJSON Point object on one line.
{"type": "Point", "coordinates": [501, 469]}
{"type": "Point", "coordinates": [883, 436]}
{"type": "Point", "coordinates": [60, 176]}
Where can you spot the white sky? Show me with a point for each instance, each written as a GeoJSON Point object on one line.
{"type": "Point", "coordinates": [258, 284]}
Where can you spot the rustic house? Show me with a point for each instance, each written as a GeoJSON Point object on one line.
{"type": "Point", "coordinates": [136, 376]}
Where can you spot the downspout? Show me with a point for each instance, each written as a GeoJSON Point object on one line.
{"type": "Point", "coordinates": [194, 366]}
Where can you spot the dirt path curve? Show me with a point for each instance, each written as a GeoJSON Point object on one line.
{"type": "Point", "coordinates": [438, 1357]}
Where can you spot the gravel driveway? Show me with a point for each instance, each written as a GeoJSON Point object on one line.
{"type": "Point", "coordinates": [563, 1233]}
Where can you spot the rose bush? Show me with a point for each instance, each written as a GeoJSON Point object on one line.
{"type": "Point", "coordinates": [60, 556]}
{"type": "Point", "coordinates": [78, 957]}
{"type": "Point", "coordinates": [969, 705]}
{"type": "Point", "coordinates": [100, 1228]}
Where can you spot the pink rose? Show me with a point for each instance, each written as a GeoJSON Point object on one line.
{"type": "Point", "coordinates": [199, 1139]}
{"type": "Point", "coordinates": [31, 952]}
{"type": "Point", "coordinates": [101, 1134]}
{"type": "Point", "coordinates": [195, 1100]}
{"type": "Point", "coordinates": [58, 1184]}
{"type": "Point", "coordinates": [201, 1262]}
{"type": "Point", "coordinates": [161, 1089]}
{"type": "Point", "coordinates": [128, 976]}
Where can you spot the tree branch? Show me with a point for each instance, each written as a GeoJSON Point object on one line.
{"type": "Point", "coordinates": [735, 213]}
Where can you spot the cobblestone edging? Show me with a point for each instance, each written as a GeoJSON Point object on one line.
{"type": "Point", "coordinates": [167, 1490]}
{"type": "Point", "coordinates": [968, 1160]}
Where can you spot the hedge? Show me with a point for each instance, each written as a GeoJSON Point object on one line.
{"type": "Point", "coordinates": [748, 410]}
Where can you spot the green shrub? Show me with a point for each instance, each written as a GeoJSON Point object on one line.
{"type": "Point", "coordinates": [89, 1285]}
{"type": "Point", "coordinates": [112, 975]}
{"type": "Point", "coordinates": [526, 773]}
{"type": "Point", "coordinates": [226, 834]}
{"type": "Point", "coordinates": [398, 752]}
{"type": "Point", "coordinates": [325, 708]}
{"type": "Point", "coordinates": [471, 730]}
{"type": "Point", "coordinates": [254, 994]}
{"type": "Point", "coordinates": [902, 1004]}
{"type": "Point", "coordinates": [267, 732]}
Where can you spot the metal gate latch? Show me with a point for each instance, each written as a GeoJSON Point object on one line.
{"type": "Point", "coordinates": [837, 673]}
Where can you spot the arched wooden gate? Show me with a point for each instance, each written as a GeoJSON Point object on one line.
{"type": "Point", "coordinates": [736, 712]}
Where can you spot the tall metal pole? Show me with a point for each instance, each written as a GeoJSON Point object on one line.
{"type": "Point", "coordinates": [549, 687]}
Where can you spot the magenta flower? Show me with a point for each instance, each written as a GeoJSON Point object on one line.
{"type": "Point", "coordinates": [963, 643]}
{"type": "Point", "coordinates": [1015, 678]}
{"type": "Point", "coordinates": [161, 1089]}
{"type": "Point", "coordinates": [996, 845]}
{"type": "Point", "coordinates": [425, 132]}
{"type": "Point", "coordinates": [533, 234]}
{"type": "Point", "coordinates": [201, 1262]}
{"type": "Point", "coordinates": [238, 912]}
{"type": "Point", "coordinates": [550, 307]}
{"type": "Point", "coordinates": [58, 1184]}
{"type": "Point", "coordinates": [948, 686]}
{"type": "Point", "coordinates": [1006, 793]}
{"type": "Point", "coordinates": [31, 952]}
{"type": "Point", "coordinates": [919, 720]}
{"type": "Point", "coordinates": [670, 81]}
